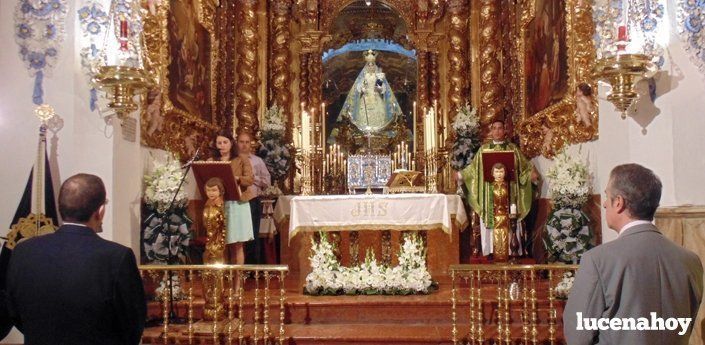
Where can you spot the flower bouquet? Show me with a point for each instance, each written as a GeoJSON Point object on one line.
{"type": "Point", "coordinates": [466, 126]}
{"type": "Point", "coordinates": [568, 235]}
{"type": "Point", "coordinates": [166, 234]}
{"type": "Point", "coordinates": [563, 288]}
{"type": "Point", "coordinates": [328, 277]}
{"type": "Point", "coordinates": [274, 151]}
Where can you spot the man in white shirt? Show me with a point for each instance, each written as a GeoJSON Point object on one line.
{"type": "Point", "coordinates": [640, 276]}
{"type": "Point", "coordinates": [253, 249]}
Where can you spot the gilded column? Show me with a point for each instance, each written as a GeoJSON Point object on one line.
{"type": "Point", "coordinates": [435, 85]}
{"type": "Point", "coordinates": [303, 82]}
{"type": "Point", "coordinates": [281, 59]}
{"type": "Point", "coordinates": [458, 73]}
{"type": "Point", "coordinates": [248, 81]}
{"type": "Point", "coordinates": [491, 90]}
{"type": "Point", "coordinates": [422, 96]}
{"type": "Point", "coordinates": [315, 96]}
{"type": "Point", "coordinates": [510, 59]}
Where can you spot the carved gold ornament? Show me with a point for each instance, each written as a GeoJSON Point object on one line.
{"type": "Point", "coordinates": [28, 227]}
{"type": "Point", "coordinates": [547, 131]}
{"type": "Point", "coordinates": [165, 126]}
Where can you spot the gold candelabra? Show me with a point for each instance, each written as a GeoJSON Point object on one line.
{"type": "Point", "coordinates": [121, 84]}
{"type": "Point", "coordinates": [623, 72]}
{"type": "Point", "coordinates": [431, 171]}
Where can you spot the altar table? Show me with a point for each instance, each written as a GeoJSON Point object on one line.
{"type": "Point", "coordinates": [441, 216]}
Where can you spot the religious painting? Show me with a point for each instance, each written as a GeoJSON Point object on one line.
{"type": "Point", "coordinates": [546, 64]}
{"type": "Point", "coordinates": [555, 57]}
{"type": "Point", "coordinates": [189, 71]}
{"type": "Point", "coordinates": [178, 113]}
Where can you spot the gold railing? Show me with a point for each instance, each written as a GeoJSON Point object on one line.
{"type": "Point", "coordinates": [241, 311]}
{"type": "Point", "coordinates": [506, 290]}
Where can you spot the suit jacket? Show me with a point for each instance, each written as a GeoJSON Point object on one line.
{"type": "Point", "coordinates": [73, 287]}
{"type": "Point", "coordinates": [242, 168]}
{"type": "Point", "coordinates": [638, 273]}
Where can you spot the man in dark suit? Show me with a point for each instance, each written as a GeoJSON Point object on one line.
{"type": "Point", "coordinates": [73, 287]}
{"type": "Point", "coordinates": [640, 276]}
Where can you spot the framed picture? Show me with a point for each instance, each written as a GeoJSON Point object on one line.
{"type": "Point", "coordinates": [556, 56]}
{"type": "Point", "coordinates": [180, 52]}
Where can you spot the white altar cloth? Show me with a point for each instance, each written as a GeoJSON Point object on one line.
{"type": "Point", "coordinates": [370, 212]}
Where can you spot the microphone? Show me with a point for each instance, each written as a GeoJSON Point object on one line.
{"type": "Point", "coordinates": [195, 157]}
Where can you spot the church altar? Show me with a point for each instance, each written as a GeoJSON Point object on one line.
{"type": "Point", "coordinates": [440, 216]}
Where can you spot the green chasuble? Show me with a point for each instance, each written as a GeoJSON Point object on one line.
{"type": "Point", "coordinates": [480, 192]}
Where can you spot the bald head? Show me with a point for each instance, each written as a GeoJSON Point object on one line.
{"type": "Point", "coordinates": [81, 195]}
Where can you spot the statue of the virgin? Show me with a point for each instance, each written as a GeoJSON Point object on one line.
{"type": "Point", "coordinates": [370, 103]}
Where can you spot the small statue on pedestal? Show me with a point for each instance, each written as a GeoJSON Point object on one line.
{"type": "Point", "coordinates": [502, 229]}
{"type": "Point", "coordinates": [214, 223]}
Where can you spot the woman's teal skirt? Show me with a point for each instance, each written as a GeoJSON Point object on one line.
{"type": "Point", "coordinates": [239, 220]}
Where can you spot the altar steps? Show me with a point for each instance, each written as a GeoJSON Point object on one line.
{"type": "Point", "coordinates": [337, 320]}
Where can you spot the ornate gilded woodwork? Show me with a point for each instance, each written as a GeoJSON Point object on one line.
{"type": "Point", "coordinates": [435, 87]}
{"type": "Point", "coordinates": [421, 96]}
{"type": "Point", "coordinates": [248, 80]}
{"type": "Point", "coordinates": [509, 58]}
{"type": "Point", "coordinates": [458, 85]}
{"type": "Point", "coordinates": [491, 88]}
{"type": "Point", "coordinates": [549, 130]}
{"type": "Point", "coordinates": [164, 125]}
{"type": "Point", "coordinates": [303, 81]}
{"type": "Point", "coordinates": [281, 76]}
{"type": "Point", "coordinates": [316, 82]}
{"type": "Point", "coordinates": [331, 8]}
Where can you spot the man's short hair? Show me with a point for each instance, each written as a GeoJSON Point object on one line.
{"type": "Point", "coordinates": [639, 187]}
{"type": "Point", "coordinates": [80, 196]}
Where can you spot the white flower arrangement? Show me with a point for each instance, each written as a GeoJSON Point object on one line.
{"type": "Point", "coordinates": [328, 277]}
{"type": "Point", "coordinates": [563, 288]}
{"type": "Point", "coordinates": [274, 122]}
{"type": "Point", "coordinates": [568, 235]}
{"type": "Point", "coordinates": [569, 181]}
{"type": "Point", "coordinates": [161, 185]}
{"type": "Point", "coordinates": [274, 151]}
{"type": "Point", "coordinates": [466, 122]}
{"type": "Point", "coordinates": [166, 234]}
{"type": "Point", "coordinates": [467, 128]}
{"type": "Point", "coordinates": [163, 289]}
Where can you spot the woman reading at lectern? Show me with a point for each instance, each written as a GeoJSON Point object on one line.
{"type": "Point", "coordinates": [237, 213]}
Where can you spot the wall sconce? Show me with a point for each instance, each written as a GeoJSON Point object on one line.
{"type": "Point", "coordinates": [623, 72]}
{"type": "Point", "coordinates": [121, 84]}
{"type": "Point", "coordinates": [124, 78]}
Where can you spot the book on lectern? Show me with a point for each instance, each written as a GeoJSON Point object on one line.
{"type": "Point", "coordinates": [490, 158]}
{"type": "Point", "coordinates": [204, 170]}
{"type": "Point", "coordinates": [405, 178]}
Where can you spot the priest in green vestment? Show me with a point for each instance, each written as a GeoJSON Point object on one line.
{"type": "Point", "coordinates": [480, 192]}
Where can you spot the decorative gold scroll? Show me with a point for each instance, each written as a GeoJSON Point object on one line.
{"type": "Point", "coordinates": [248, 80]}
{"type": "Point", "coordinates": [281, 59]}
{"type": "Point", "coordinates": [331, 8]}
{"type": "Point", "coordinates": [457, 56]}
{"type": "Point", "coordinates": [547, 131]}
{"type": "Point", "coordinates": [164, 125]}
{"type": "Point", "coordinates": [491, 89]}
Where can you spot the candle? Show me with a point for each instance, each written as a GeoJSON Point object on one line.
{"type": "Point", "coordinates": [123, 28]}
{"type": "Point", "coordinates": [123, 34]}
{"type": "Point", "coordinates": [324, 117]}
{"type": "Point", "coordinates": [414, 129]}
{"type": "Point", "coordinates": [513, 209]}
{"type": "Point", "coordinates": [622, 33]}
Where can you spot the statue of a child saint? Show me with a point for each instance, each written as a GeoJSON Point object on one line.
{"type": "Point", "coordinates": [214, 223]}
{"type": "Point", "coordinates": [502, 229]}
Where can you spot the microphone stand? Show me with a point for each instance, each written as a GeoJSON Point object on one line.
{"type": "Point", "coordinates": [173, 317]}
